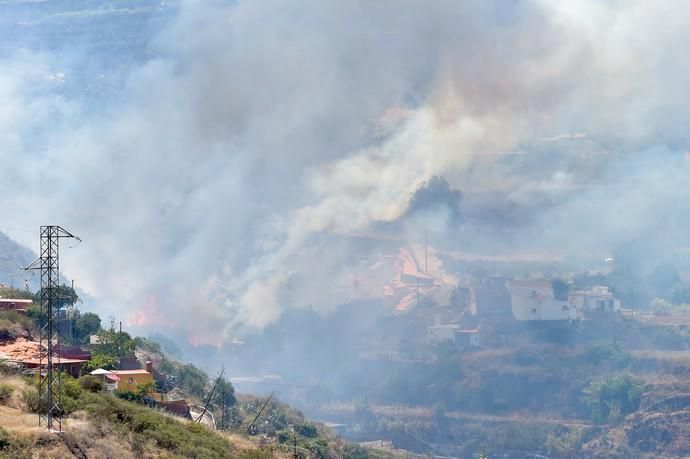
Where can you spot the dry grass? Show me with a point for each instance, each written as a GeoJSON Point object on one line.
{"type": "Point", "coordinates": [240, 442]}
{"type": "Point", "coordinates": [17, 421]}
{"type": "Point", "coordinates": [100, 435]}
{"type": "Point", "coordinates": [19, 385]}
{"type": "Point", "coordinates": [79, 434]}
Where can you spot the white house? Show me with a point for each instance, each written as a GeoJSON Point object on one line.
{"type": "Point", "coordinates": [534, 300]}
{"type": "Point", "coordinates": [598, 298]}
{"type": "Point", "coordinates": [441, 332]}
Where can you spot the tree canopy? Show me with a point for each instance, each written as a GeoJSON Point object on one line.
{"type": "Point", "coordinates": [87, 324]}
{"type": "Point", "coordinates": [114, 343]}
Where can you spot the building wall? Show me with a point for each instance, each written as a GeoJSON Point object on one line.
{"type": "Point", "coordinates": [534, 300]}
{"type": "Point", "coordinates": [438, 333]}
{"type": "Point", "coordinates": [131, 382]}
{"type": "Point", "coordinates": [597, 299]}
{"type": "Point", "coordinates": [540, 307]}
{"type": "Point", "coordinates": [492, 298]}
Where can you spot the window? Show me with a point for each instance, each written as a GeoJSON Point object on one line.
{"type": "Point", "coordinates": [534, 310]}
{"type": "Point", "coordinates": [130, 380]}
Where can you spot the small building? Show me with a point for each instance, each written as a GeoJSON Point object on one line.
{"type": "Point", "coordinates": [108, 377]}
{"type": "Point", "coordinates": [15, 304]}
{"type": "Point", "coordinates": [72, 351]}
{"type": "Point", "coordinates": [71, 366]}
{"type": "Point", "coordinates": [441, 332]}
{"type": "Point", "coordinates": [130, 380]}
{"type": "Point", "coordinates": [492, 298]}
{"type": "Point", "coordinates": [598, 298]}
{"type": "Point", "coordinates": [535, 300]}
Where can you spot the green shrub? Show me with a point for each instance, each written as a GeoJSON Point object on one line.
{"type": "Point", "coordinates": [12, 446]}
{"type": "Point", "coordinates": [5, 392]}
{"type": "Point", "coordinates": [36, 315]}
{"type": "Point", "coordinates": [306, 430]}
{"type": "Point", "coordinates": [319, 447]}
{"type": "Point", "coordinates": [613, 398]}
{"type": "Point", "coordinates": [30, 400]}
{"type": "Point", "coordinates": [91, 383]}
{"type": "Point", "coordinates": [13, 325]}
{"type": "Point", "coordinates": [6, 368]}
{"type": "Point", "coordinates": [16, 318]}
{"type": "Point", "coordinates": [73, 397]}
{"type": "Point", "coordinates": [284, 436]}
{"type": "Point", "coordinates": [608, 353]}
{"type": "Point", "coordinates": [566, 444]}
{"type": "Point", "coordinates": [142, 424]}
{"type": "Point", "coordinates": [356, 452]}
{"type": "Point", "coordinates": [255, 454]}
{"type": "Point", "coordinates": [107, 362]}
{"type": "Point", "coordinates": [148, 345]}
{"type": "Point", "coordinates": [70, 387]}
{"type": "Point", "coordinates": [187, 377]}
{"type": "Point", "coordinates": [128, 395]}
{"type": "Point", "coordinates": [9, 292]}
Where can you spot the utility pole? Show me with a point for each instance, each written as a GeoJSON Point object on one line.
{"type": "Point", "coordinates": [119, 341]}
{"type": "Point", "coordinates": [222, 401]}
{"type": "Point", "coordinates": [49, 385]}
{"type": "Point", "coordinates": [222, 409]}
{"type": "Point", "coordinates": [294, 443]}
{"type": "Point", "coordinates": [250, 429]}
{"type": "Point", "coordinates": [210, 395]}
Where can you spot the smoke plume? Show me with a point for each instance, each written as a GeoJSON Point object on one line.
{"type": "Point", "coordinates": [215, 177]}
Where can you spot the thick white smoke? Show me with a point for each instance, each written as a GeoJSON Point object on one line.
{"type": "Point", "coordinates": [256, 127]}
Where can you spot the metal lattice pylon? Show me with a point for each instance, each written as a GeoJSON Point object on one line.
{"type": "Point", "coordinates": [50, 364]}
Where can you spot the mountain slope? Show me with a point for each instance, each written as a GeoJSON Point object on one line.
{"type": "Point", "coordinates": [13, 257]}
